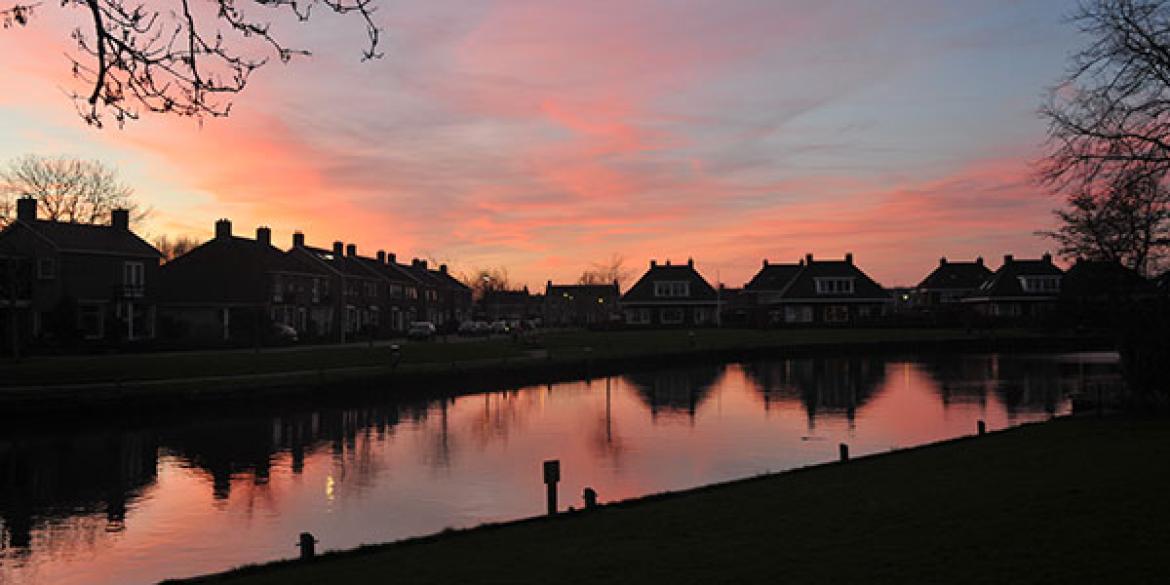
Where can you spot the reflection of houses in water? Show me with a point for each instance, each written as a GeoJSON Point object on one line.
{"type": "Point", "coordinates": [675, 391]}
{"type": "Point", "coordinates": [823, 385]}
{"type": "Point", "coordinates": [45, 479]}
{"type": "Point", "coordinates": [1022, 382]}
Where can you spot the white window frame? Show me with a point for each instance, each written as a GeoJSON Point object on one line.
{"type": "Point", "coordinates": [798, 314]}
{"type": "Point", "coordinates": [662, 313]}
{"type": "Point", "coordinates": [672, 288]}
{"type": "Point", "coordinates": [834, 285]}
{"type": "Point", "coordinates": [638, 316]}
{"type": "Point", "coordinates": [836, 314]}
{"type": "Point", "coordinates": [1046, 283]}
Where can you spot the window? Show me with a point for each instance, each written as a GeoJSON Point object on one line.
{"type": "Point", "coordinates": [1040, 284]}
{"type": "Point", "coordinates": [411, 293]}
{"type": "Point", "coordinates": [316, 290]}
{"type": "Point", "coordinates": [396, 291]}
{"type": "Point", "coordinates": [432, 295]}
{"type": "Point", "coordinates": [277, 290]}
{"type": "Point", "coordinates": [90, 321]}
{"type": "Point", "coordinates": [702, 315]}
{"type": "Point", "coordinates": [834, 286]}
{"type": "Point", "coordinates": [133, 278]}
{"type": "Point", "coordinates": [836, 314]}
{"type": "Point", "coordinates": [371, 289]}
{"type": "Point", "coordinates": [637, 316]}
{"type": "Point", "coordinates": [46, 268]}
{"type": "Point", "coordinates": [670, 316]}
{"type": "Point", "coordinates": [666, 288]}
{"type": "Point", "coordinates": [865, 311]}
{"type": "Point", "coordinates": [800, 314]}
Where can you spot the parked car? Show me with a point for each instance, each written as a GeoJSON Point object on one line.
{"type": "Point", "coordinates": [421, 330]}
{"type": "Point", "coordinates": [500, 327]}
{"type": "Point", "coordinates": [467, 328]}
{"type": "Point", "coordinates": [282, 333]}
{"type": "Point", "coordinates": [482, 328]}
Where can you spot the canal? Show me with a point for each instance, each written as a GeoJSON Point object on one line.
{"type": "Point", "coordinates": [136, 503]}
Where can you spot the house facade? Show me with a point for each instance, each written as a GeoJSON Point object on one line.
{"type": "Point", "coordinates": [581, 305]}
{"type": "Point", "coordinates": [67, 283]}
{"type": "Point", "coordinates": [232, 289]}
{"type": "Point", "coordinates": [671, 295]}
{"type": "Point", "coordinates": [817, 292]}
{"type": "Point", "coordinates": [950, 282]}
{"type": "Point", "coordinates": [1019, 289]}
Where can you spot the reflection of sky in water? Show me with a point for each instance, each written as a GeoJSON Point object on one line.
{"type": "Point", "coordinates": [125, 506]}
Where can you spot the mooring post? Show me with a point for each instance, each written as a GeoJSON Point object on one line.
{"type": "Point", "coordinates": [590, 498]}
{"type": "Point", "coordinates": [844, 451]}
{"type": "Point", "coordinates": [552, 474]}
{"type": "Point", "coordinates": [982, 426]}
{"type": "Point", "coordinates": [308, 546]}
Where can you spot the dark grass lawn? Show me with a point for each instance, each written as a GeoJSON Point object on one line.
{"type": "Point", "coordinates": [564, 346]}
{"type": "Point", "coordinates": [1071, 501]}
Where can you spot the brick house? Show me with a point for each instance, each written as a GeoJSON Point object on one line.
{"type": "Point", "coordinates": [1019, 289]}
{"type": "Point", "coordinates": [400, 300]}
{"type": "Point", "coordinates": [69, 282]}
{"type": "Point", "coordinates": [821, 292]}
{"type": "Point", "coordinates": [581, 305]}
{"type": "Point", "coordinates": [671, 296]}
{"type": "Point", "coordinates": [510, 305]}
{"type": "Point", "coordinates": [233, 288]}
{"type": "Point", "coordinates": [949, 283]}
{"type": "Point", "coordinates": [358, 302]}
{"type": "Point", "coordinates": [454, 297]}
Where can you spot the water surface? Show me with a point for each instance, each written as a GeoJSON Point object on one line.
{"type": "Point", "coordinates": [136, 504]}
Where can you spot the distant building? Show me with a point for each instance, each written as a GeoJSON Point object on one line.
{"type": "Point", "coordinates": [1019, 289]}
{"type": "Point", "coordinates": [1093, 292]}
{"type": "Point", "coordinates": [950, 282]}
{"type": "Point", "coordinates": [671, 295]}
{"type": "Point", "coordinates": [581, 305]}
{"type": "Point", "coordinates": [510, 305]}
{"type": "Point", "coordinates": [358, 302]}
{"type": "Point", "coordinates": [832, 292]}
{"type": "Point", "coordinates": [69, 282]}
{"type": "Point", "coordinates": [233, 288]}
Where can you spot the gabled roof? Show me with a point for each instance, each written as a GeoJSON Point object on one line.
{"type": "Point", "coordinates": [449, 281]}
{"type": "Point", "coordinates": [227, 269]}
{"type": "Point", "coordinates": [1102, 279]}
{"type": "Point", "coordinates": [88, 238]}
{"type": "Point", "coordinates": [1006, 281]}
{"type": "Point", "coordinates": [956, 275]}
{"type": "Point", "coordinates": [389, 270]}
{"type": "Point", "coordinates": [346, 265]}
{"type": "Point", "coordinates": [803, 286]}
{"type": "Point", "coordinates": [424, 276]}
{"type": "Point", "coordinates": [773, 277]}
{"type": "Point", "coordinates": [643, 290]}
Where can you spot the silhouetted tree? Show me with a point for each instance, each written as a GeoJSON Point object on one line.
{"type": "Point", "coordinates": [185, 59]}
{"type": "Point", "coordinates": [606, 272]}
{"type": "Point", "coordinates": [66, 189]}
{"type": "Point", "coordinates": [1128, 224]}
{"type": "Point", "coordinates": [484, 280]}
{"type": "Point", "coordinates": [172, 249]}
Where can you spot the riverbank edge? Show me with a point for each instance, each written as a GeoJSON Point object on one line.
{"type": "Point", "coordinates": [458, 377]}
{"type": "Point", "coordinates": [807, 472]}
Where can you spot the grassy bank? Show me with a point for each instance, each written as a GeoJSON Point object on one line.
{"type": "Point", "coordinates": [1075, 500]}
{"type": "Point", "coordinates": [167, 380]}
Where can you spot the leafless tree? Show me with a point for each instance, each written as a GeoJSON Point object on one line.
{"type": "Point", "coordinates": [173, 248]}
{"type": "Point", "coordinates": [1129, 224]}
{"type": "Point", "coordinates": [187, 58]}
{"type": "Point", "coordinates": [608, 271]}
{"type": "Point", "coordinates": [485, 280]}
{"type": "Point", "coordinates": [66, 189]}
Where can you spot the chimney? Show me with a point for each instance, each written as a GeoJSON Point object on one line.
{"type": "Point", "coordinates": [26, 209]}
{"type": "Point", "coordinates": [443, 268]}
{"type": "Point", "coordinates": [849, 258]}
{"type": "Point", "coordinates": [1047, 258]}
{"type": "Point", "coordinates": [337, 247]}
{"type": "Point", "coordinates": [979, 260]}
{"type": "Point", "coordinates": [223, 229]}
{"type": "Point", "coordinates": [351, 250]}
{"type": "Point", "coordinates": [765, 262]}
{"type": "Point", "coordinates": [391, 258]}
{"type": "Point", "coordinates": [298, 239]}
{"type": "Point", "coordinates": [1007, 258]}
{"type": "Point", "coordinates": [264, 235]}
{"type": "Point", "coordinates": [653, 264]}
{"type": "Point", "coordinates": [422, 263]}
{"type": "Point", "coordinates": [808, 258]}
{"type": "Point", "coordinates": [120, 219]}
{"type": "Point", "coordinates": [942, 261]}
{"type": "Point", "coordinates": [668, 261]}
{"type": "Point", "coordinates": [690, 262]}
{"type": "Point", "coordinates": [381, 256]}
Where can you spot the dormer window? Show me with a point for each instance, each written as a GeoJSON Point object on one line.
{"type": "Point", "coordinates": [1040, 284]}
{"type": "Point", "coordinates": [834, 285]}
{"type": "Point", "coordinates": [668, 289]}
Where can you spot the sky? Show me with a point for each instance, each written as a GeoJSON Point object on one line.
{"type": "Point", "coordinates": [543, 136]}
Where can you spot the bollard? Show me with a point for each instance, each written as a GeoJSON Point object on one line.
{"type": "Point", "coordinates": [395, 356]}
{"type": "Point", "coordinates": [590, 498]}
{"type": "Point", "coordinates": [552, 474]}
{"type": "Point", "coordinates": [307, 544]}
{"type": "Point", "coordinates": [982, 426]}
{"type": "Point", "coordinates": [844, 452]}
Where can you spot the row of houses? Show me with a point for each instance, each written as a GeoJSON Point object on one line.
{"type": "Point", "coordinates": [66, 281]}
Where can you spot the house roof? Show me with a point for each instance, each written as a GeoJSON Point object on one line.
{"type": "Point", "coordinates": [803, 286]}
{"type": "Point", "coordinates": [643, 290]}
{"type": "Point", "coordinates": [1102, 279]}
{"type": "Point", "coordinates": [450, 281]}
{"type": "Point", "coordinates": [88, 238]}
{"type": "Point", "coordinates": [346, 265]}
{"type": "Point", "coordinates": [389, 270]}
{"type": "Point", "coordinates": [773, 276]}
{"type": "Point", "coordinates": [956, 275]}
{"type": "Point", "coordinates": [226, 269]}
{"type": "Point", "coordinates": [1005, 282]}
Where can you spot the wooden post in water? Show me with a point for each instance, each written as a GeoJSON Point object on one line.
{"type": "Point", "coordinates": [982, 426]}
{"type": "Point", "coordinates": [308, 546]}
{"type": "Point", "coordinates": [552, 475]}
{"type": "Point", "coordinates": [844, 451]}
